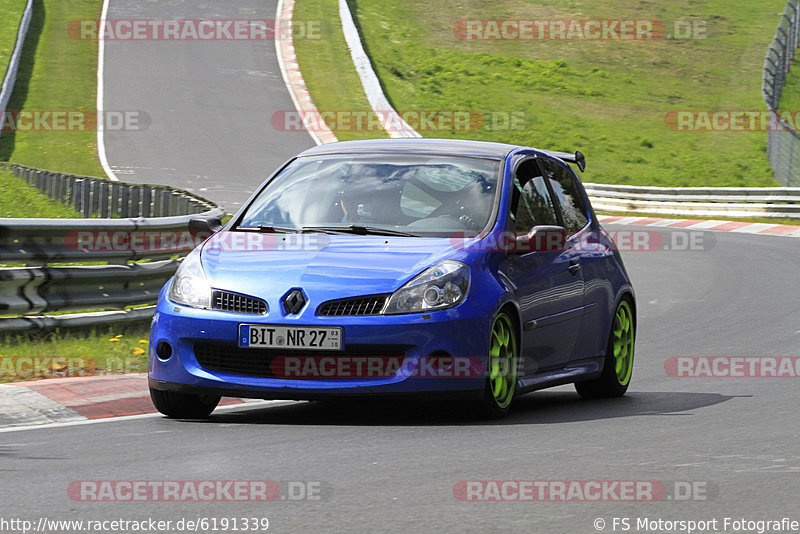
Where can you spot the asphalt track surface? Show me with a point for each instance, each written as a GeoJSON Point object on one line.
{"type": "Point", "coordinates": [389, 469]}
{"type": "Point", "coordinates": [205, 106]}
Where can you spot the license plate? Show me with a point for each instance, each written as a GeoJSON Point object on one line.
{"type": "Point", "coordinates": [290, 337]}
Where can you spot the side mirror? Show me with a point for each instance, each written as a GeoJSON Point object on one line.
{"type": "Point", "coordinates": [211, 224]}
{"type": "Point", "coordinates": [542, 238]}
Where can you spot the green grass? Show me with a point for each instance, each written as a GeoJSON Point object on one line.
{"type": "Point", "coordinates": [790, 97]}
{"type": "Point", "coordinates": [56, 73]}
{"type": "Point", "coordinates": [327, 68]}
{"type": "Point", "coordinates": [9, 25]}
{"type": "Point", "coordinates": [18, 199]}
{"type": "Point", "coordinates": [607, 99]}
{"type": "Point", "coordinates": [75, 353]}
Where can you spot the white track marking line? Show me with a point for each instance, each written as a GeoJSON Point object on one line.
{"type": "Point", "coordinates": [754, 228]}
{"type": "Point", "coordinates": [293, 78]}
{"type": "Point", "coordinates": [250, 405]}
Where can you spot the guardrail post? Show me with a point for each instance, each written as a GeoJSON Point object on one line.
{"type": "Point", "coordinates": [125, 199]}
{"type": "Point", "coordinates": [135, 211]}
{"type": "Point", "coordinates": [163, 201]}
{"type": "Point", "coordinates": [78, 196]}
{"type": "Point", "coordinates": [95, 205]}
{"type": "Point", "coordinates": [113, 207]}
{"type": "Point", "coordinates": [104, 200]}
{"type": "Point", "coordinates": [60, 188]}
{"type": "Point", "coordinates": [147, 198]}
{"type": "Point", "coordinates": [87, 199]}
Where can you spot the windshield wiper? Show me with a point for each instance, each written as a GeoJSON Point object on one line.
{"type": "Point", "coordinates": [358, 230]}
{"type": "Point", "coordinates": [268, 229]}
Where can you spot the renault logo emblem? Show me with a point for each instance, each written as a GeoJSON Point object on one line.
{"type": "Point", "coordinates": [294, 301]}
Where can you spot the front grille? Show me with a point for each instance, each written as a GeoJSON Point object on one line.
{"type": "Point", "coordinates": [257, 362]}
{"type": "Point", "coordinates": [234, 302]}
{"type": "Point", "coordinates": [370, 305]}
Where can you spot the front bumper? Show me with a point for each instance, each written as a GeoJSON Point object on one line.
{"type": "Point", "coordinates": [461, 332]}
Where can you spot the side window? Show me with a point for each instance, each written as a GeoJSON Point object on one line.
{"type": "Point", "coordinates": [573, 209]}
{"type": "Point", "coordinates": [531, 203]}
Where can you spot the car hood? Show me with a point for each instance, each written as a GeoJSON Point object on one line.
{"type": "Point", "coordinates": [324, 266]}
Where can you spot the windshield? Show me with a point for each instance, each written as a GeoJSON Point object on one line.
{"type": "Point", "coordinates": [415, 194]}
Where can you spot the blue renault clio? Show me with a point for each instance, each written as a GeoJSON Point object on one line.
{"type": "Point", "coordinates": [456, 268]}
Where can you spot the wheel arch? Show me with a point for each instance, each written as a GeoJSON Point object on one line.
{"type": "Point", "coordinates": [512, 309]}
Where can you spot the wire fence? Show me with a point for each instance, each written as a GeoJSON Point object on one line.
{"type": "Point", "coordinates": [783, 142]}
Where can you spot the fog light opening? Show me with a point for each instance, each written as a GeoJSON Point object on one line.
{"type": "Point", "coordinates": [164, 350]}
{"type": "Point", "coordinates": [441, 362]}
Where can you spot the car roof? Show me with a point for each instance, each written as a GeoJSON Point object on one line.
{"type": "Point", "coordinates": [451, 147]}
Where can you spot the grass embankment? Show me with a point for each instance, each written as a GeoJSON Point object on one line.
{"type": "Point", "coordinates": [56, 73]}
{"type": "Point", "coordinates": [606, 98]}
{"type": "Point", "coordinates": [790, 97]}
{"type": "Point", "coordinates": [18, 199]}
{"type": "Point", "coordinates": [9, 25]}
{"type": "Point", "coordinates": [121, 349]}
{"type": "Point", "coordinates": [26, 201]}
{"type": "Point", "coordinates": [328, 71]}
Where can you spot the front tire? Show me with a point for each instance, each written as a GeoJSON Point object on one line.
{"type": "Point", "coordinates": [618, 364]}
{"type": "Point", "coordinates": [501, 368]}
{"type": "Point", "coordinates": [183, 405]}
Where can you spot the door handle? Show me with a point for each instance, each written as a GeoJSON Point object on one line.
{"type": "Point", "coordinates": [574, 267]}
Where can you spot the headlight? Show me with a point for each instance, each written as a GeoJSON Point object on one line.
{"type": "Point", "coordinates": [190, 287]}
{"type": "Point", "coordinates": [442, 286]}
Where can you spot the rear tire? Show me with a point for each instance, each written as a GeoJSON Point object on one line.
{"type": "Point", "coordinates": [618, 364]}
{"type": "Point", "coordinates": [501, 368]}
{"type": "Point", "coordinates": [183, 405]}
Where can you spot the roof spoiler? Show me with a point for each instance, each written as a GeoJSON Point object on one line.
{"type": "Point", "coordinates": [577, 158]}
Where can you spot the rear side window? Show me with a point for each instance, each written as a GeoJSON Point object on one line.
{"type": "Point", "coordinates": [565, 188]}
{"type": "Point", "coordinates": [531, 202]}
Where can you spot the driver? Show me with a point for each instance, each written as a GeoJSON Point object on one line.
{"type": "Point", "coordinates": [354, 209]}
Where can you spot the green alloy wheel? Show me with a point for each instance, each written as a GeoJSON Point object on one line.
{"type": "Point", "coordinates": [618, 366]}
{"type": "Point", "coordinates": [501, 367]}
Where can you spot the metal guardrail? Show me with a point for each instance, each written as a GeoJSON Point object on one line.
{"type": "Point", "coordinates": [98, 197]}
{"type": "Point", "coordinates": [142, 247]}
{"type": "Point", "coordinates": [772, 202]}
{"type": "Point", "coordinates": [783, 144]}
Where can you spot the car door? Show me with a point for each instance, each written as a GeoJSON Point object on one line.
{"type": "Point", "coordinates": [592, 256]}
{"type": "Point", "coordinates": [548, 283]}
